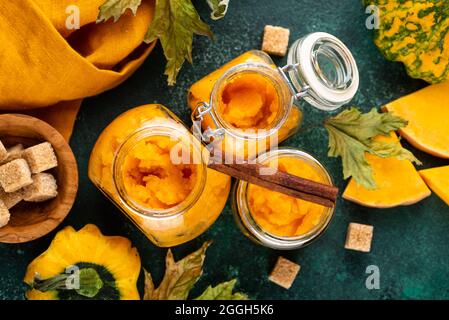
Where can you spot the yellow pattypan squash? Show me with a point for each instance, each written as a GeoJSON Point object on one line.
{"type": "Point", "coordinates": [107, 268]}
{"type": "Point", "coordinates": [414, 33]}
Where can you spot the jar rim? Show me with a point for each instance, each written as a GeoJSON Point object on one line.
{"type": "Point", "coordinates": [323, 94]}
{"type": "Point", "coordinates": [168, 128]}
{"type": "Point", "coordinates": [272, 75]}
{"type": "Point", "coordinates": [262, 236]}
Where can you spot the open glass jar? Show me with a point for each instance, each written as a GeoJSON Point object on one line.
{"type": "Point", "coordinates": [152, 168]}
{"type": "Point", "coordinates": [249, 105]}
{"type": "Point", "coordinates": [276, 220]}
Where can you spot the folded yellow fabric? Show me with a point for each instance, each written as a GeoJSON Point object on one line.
{"type": "Point", "coordinates": [47, 66]}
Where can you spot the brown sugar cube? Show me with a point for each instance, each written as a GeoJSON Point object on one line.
{"type": "Point", "coordinates": [3, 152]}
{"type": "Point", "coordinates": [43, 188]}
{"type": "Point", "coordinates": [359, 237]}
{"type": "Point", "coordinates": [13, 153]}
{"type": "Point", "coordinates": [12, 198]}
{"type": "Point", "coordinates": [15, 175]}
{"type": "Point", "coordinates": [4, 214]}
{"type": "Point", "coordinates": [275, 40]}
{"type": "Point", "coordinates": [40, 157]}
{"type": "Point", "coordinates": [284, 273]}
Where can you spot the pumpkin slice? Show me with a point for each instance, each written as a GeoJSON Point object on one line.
{"type": "Point", "coordinates": [398, 183]}
{"type": "Point", "coordinates": [438, 180]}
{"type": "Point", "coordinates": [427, 112]}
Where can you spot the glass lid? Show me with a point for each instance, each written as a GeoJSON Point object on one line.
{"type": "Point", "coordinates": [322, 70]}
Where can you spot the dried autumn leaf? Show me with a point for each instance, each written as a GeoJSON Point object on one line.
{"type": "Point", "coordinates": [115, 9]}
{"type": "Point", "coordinates": [174, 24]}
{"type": "Point", "coordinates": [179, 278]}
{"type": "Point", "coordinates": [351, 135]}
{"type": "Point", "coordinates": [219, 8]}
{"type": "Point", "coordinates": [149, 286]}
{"type": "Point", "coordinates": [222, 291]}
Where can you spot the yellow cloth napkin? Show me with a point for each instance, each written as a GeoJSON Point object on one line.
{"type": "Point", "coordinates": [48, 68]}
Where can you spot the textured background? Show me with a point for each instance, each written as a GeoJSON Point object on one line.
{"type": "Point", "coordinates": [410, 243]}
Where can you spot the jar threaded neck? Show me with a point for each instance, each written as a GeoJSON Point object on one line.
{"type": "Point", "coordinates": [177, 133]}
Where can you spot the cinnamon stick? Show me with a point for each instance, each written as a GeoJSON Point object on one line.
{"type": "Point", "coordinates": [281, 182]}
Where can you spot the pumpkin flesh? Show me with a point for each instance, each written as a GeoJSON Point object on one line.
{"type": "Point", "coordinates": [398, 183]}
{"type": "Point", "coordinates": [427, 112]}
{"type": "Point", "coordinates": [438, 180]}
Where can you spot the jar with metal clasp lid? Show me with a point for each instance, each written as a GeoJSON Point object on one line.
{"type": "Point", "coordinates": [249, 105]}
{"type": "Point", "coordinates": [150, 166]}
{"type": "Point", "coordinates": [276, 220]}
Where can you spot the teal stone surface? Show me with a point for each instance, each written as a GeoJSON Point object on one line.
{"type": "Point", "coordinates": [410, 244]}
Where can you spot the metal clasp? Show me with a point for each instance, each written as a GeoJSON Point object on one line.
{"type": "Point", "coordinates": [209, 135]}
{"type": "Point", "coordinates": [297, 95]}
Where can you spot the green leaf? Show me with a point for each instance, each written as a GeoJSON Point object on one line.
{"type": "Point", "coordinates": [351, 136]}
{"type": "Point", "coordinates": [174, 24]}
{"type": "Point", "coordinates": [179, 278]}
{"type": "Point", "coordinates": [115, 9]}
{"type": "Point", "coordinates": [388, 149]}
{"type": "Point", "coordinates": [367, 125]}
{"type": "Point", "coordinates": [352, 153]}
{"type": "Point", "coordinates": [90, 283]}
{"type": "Point", "coordinates": [222, 291]}
{"type": "Point", "coordinates": [219, 8]}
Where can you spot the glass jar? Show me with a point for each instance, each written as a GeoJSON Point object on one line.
{"type": "Point", "coordinates": [276, 220]}
{"type": "Point", "coordinates": [152, 168]}
{"type": "Point", "coordinates": [250, 105]}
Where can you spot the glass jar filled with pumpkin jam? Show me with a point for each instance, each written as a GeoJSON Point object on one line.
{"type": "Point", "coordinates": [249, 105]}
{"type": "Point", "coordinates": [152, 168]}
{"type": "Point", "coordinates": [277, 220]}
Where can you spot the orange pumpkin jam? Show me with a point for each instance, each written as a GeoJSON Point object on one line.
{"type": "Point", "coordinates": [282, 215]}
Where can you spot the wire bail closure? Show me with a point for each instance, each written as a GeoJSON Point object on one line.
{"type": "Point", "coordinates": [209, 135]}
{"type": "Point", "coordinates": [296, 95]}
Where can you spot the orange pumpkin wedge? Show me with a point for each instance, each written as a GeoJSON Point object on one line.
{"type": "Point", "coordinates": [398, 183]}
{"type": "Point", "coordinates": [438, 180]}
{"type": "Point", "coordinates": [427, 112]}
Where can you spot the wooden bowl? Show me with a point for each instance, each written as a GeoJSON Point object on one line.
{"type": "Point", "coordinates": [30, 221]}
